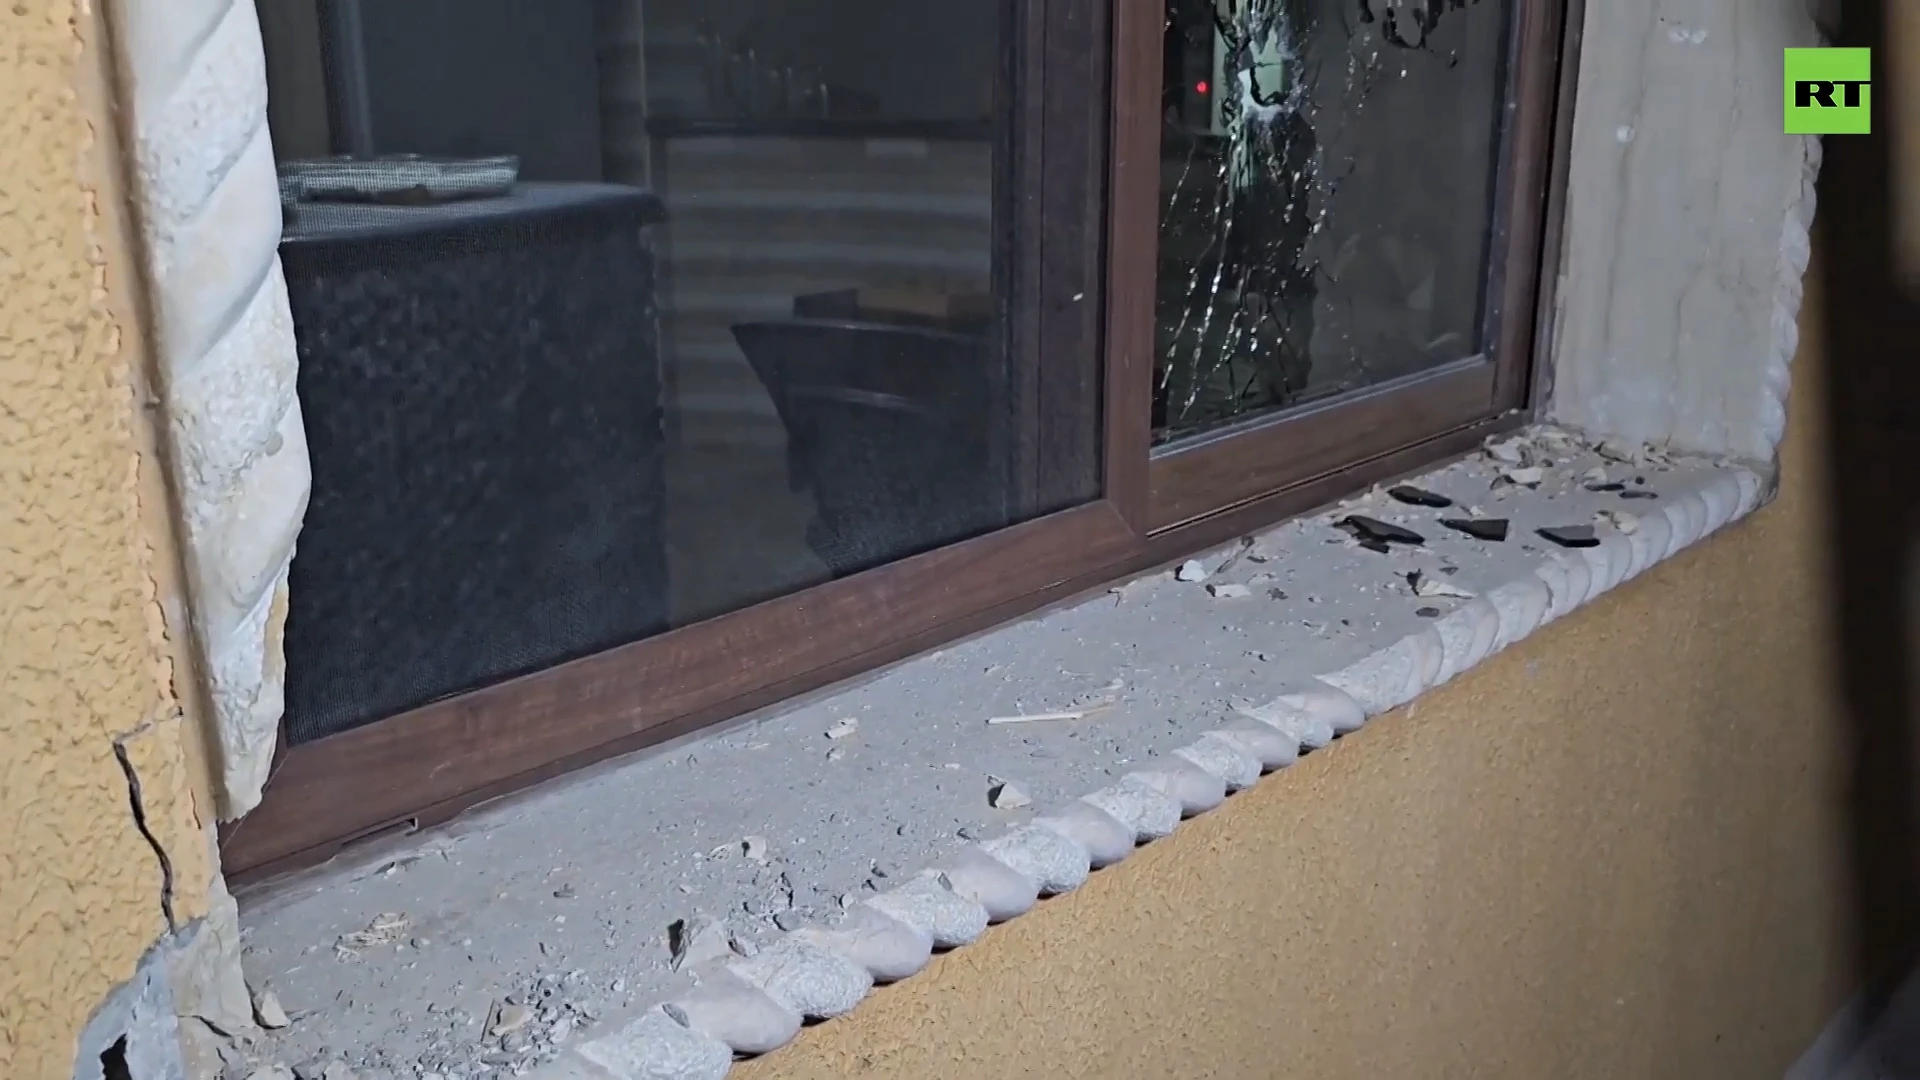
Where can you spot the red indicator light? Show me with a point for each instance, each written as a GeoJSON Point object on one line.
{"type": "Point", "coordinates": [1200, 87]}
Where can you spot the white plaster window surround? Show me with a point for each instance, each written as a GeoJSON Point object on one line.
{"type": "Point", "coordinates": [1676, 302]}
{"type": "Point", "coordinates": [194, 92]}
{"type": "Point", "coordinates": [1684, 235]}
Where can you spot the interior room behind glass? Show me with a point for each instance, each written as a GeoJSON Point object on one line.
{"type": "Point", "coordinates": [1327, 190]}
{"type": "Point", "coordinates": [618, 314]}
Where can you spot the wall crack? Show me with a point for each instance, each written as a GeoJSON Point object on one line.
{"type": "Point", "coordinates": [146, 830]}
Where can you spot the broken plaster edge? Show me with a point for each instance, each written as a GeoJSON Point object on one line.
{"type": "Point", "coordinates": [755, 1005]}
{"type": "Point", "coordinates": [185, 999]}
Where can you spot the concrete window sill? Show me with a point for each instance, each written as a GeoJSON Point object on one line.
{"type": "Point", "coordinates": [799, 858]}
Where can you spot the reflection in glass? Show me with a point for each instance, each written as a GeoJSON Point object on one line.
{"type": "Point", "coordinates": [614, 315]}
{"type": "Point", "coordinates": [1327, 175]}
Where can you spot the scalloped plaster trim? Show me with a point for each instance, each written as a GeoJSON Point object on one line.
{"type": "Point", "coordinates": [1796, 248]}
{"type": "Point", "coordinates": [194, 78]}
{"type": "Point", "coordinates": [754, 1005]}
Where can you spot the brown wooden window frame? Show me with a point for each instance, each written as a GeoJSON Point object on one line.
{"type": "Point", "coordinates": [1081, 174]}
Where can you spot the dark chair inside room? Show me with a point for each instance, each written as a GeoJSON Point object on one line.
{"type": "Point", "coordinates": [895, 430]}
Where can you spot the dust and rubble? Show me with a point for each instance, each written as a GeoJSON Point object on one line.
{"type": "Point", "coordinates": [487, 945]}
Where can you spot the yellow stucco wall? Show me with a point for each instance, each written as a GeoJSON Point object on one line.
{"type": "Point", "coordinates": [1610, 852]}
{"type": "Point", "coordinates": [85, 660]}
{"type": "Point", "coordinates": [1607, 853]}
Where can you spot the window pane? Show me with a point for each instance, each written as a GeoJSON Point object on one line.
{"type": "Point", "coordinates": [614, 315]}
{"type": "Point", "coordinates": [1327, 181]}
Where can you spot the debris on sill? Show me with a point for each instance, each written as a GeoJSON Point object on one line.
{"type": "Point", "coordinates": [1492, 530]}
{"type": "Point", "coordinates": [759, 897]}
{"type": "Point", "coordinates": [385, 929]}
{"type": "Point", "coordinates": [1625, 523]}
{"type": "Point", "coordinates": [508, 1019]}
{"type": "Point", "coordinates": [1240, 551]}
{"type": "Point", "coordinates": [1427, 586]}
{"type": "Point", "coordinates": [1511, 451]}
{"type": "Point", "coordinates": [268, 1010]}
{"type": "Point", "coordinates": [692, 942]}
{"type": "Point", "coordinates": [1035, 718]}
{"type": "Point", "coordinates": [1376, 535]}
{"type": "Point", "coordinates": [507, 1036]}
{"type": "Point", "coordinates": [1005, 795]}
{"type": "Point", "coordinates": [1414, 496]}
{"type": "Point", "coordinates": [1528, 476]}
{"type": "Point", "coordinates": [1570, 536]}
{"type": "Point", "coordinates": [1228, 592]}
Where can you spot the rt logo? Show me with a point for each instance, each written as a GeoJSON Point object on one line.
{"type": "Point", "coordinates": [1829, 92]}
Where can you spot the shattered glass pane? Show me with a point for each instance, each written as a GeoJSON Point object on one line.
{"type": "Point", "coordinates": [1327, 185]}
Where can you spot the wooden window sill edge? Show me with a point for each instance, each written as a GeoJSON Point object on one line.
{"type": "Point", "coordinates": [872, 810]}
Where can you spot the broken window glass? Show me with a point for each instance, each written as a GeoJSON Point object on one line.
{"type": "Point", "coordinates": [1327, 188]}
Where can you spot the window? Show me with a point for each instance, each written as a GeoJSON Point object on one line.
{"type": "Point", "coordinates": [1349, 218]}
{"type": "Point", "coordinates": [1326, 205]}
{"type": "Point", "coordinates": [662, 359]}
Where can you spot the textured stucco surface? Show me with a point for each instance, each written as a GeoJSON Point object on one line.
{"type": "Point", "coordinates": [1609, 851]}
{"type": "Point", "coordinates": [88, 668]}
